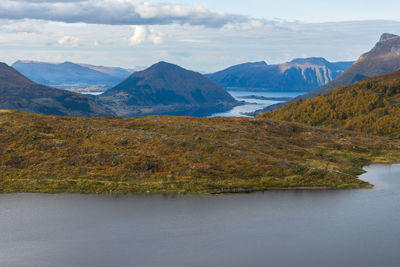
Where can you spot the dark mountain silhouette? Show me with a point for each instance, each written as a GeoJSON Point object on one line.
{"type": "Point", "coordinates": [297, 75]}
{"type": "Point", "coordinates": [71, 75]}
{"type": "Point", "coordinates": [19, 93]}
{"type": "Point", "coordinates": [167, 89]}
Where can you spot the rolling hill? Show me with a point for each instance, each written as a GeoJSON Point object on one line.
{"type": "Point", "coordinates": [19, 93]}
{"type": "Point", "coordinates": [167, 89]}
{"type": "Point", "coordinates": [297, 75]}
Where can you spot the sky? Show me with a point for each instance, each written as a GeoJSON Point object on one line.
{"type": "Point", "coordinates": [203, 35]}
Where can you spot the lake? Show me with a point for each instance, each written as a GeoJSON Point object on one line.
{"type": "Point", "coordinates": [275, 228]}
{"type": "Point", "coordinates": [253, 104]}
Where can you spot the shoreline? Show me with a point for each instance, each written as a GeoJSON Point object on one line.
{"type": "Point", "coordinates": [221, 191]}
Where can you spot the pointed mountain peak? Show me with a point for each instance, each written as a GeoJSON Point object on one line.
{"type": "Point", "coordinates": [387, 36]}
{"type": "Point", "coordinates": [163, 66]}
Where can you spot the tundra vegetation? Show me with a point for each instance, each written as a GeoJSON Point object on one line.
{"type": "Point", "coordinates": [159, 154]}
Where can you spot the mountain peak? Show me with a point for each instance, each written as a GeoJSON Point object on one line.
{"type": "Point", "coordinates": [163, 66]}
{"type": "Point", "coordinates": [387, 36]}
{"type": "Point", "coordinates": [167, 89]}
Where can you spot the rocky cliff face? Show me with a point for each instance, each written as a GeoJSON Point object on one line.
{"type": "Point", "coordinates": [297, 75]}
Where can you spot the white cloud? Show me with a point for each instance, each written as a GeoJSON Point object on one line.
{"type": "Point", "coordinates": [194, 47]}
{"type": "Point", "coordinates": [68, 41]}
{"type": "Point", "coordinates": [142, 34]}
{"type": "Point", "coordinates": [116, 12]}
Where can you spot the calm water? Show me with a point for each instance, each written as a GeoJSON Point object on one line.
{"type": "Point", "coordinates": [305, 228]}
{"type": "Point", "coordinates": [91, 93]}
{"type": "Point", "coordinates": [254, 104]}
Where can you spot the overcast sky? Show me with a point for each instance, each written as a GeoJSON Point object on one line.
{"type": "Point", "coordinates": [204, 35]}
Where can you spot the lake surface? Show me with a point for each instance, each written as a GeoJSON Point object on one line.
{"type": "Point", "coordinates": [91, 93]}
{"type": "Point", "coordinates": [276, 228]}
{"type": "Point", "coordinates": [254, 104]}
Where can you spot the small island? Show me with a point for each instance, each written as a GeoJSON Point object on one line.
{"type": "Point", "coordinates": [284, 99]}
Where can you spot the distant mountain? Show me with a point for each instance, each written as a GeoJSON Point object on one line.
{"type": "Point", "coordinates": [382, 59]}
{"type": "Point", "coordinates": [117, 72]}
{"type": "Point", "coordinates": [370, 106]}
{"type": "Point", "coordinates": [297, 75]}
{"type": "Point", "coordinates": [71, 75]}
{"type": "Point", "coordinates": [167, 89]}
{"type": "Point", "coordinates": [19, 93]}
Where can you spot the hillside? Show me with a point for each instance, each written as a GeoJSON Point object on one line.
{"type": "Point", "coordinates": [167, 89]}
{"type": "Point", "coordinates": [71, 75]}
{"type": "Point", "coordinates": [370, 106]}
{"type": "Point", "coordinates": [297, 75]}
{"type": "Point", "coordinates": [19, 93]}
{"type": "Point", "coordinates": [159, 154]}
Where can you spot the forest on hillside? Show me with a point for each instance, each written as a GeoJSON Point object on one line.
{"type": "Point", "coordinates": [370, 106]}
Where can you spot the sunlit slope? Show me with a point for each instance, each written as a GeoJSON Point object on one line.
{"type": "Point", "coordinates": [370, 106]}
{"type": "Point", "coordinates": [42, 153]}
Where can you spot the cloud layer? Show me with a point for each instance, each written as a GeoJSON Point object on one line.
{"type": "Point", "coordinates": [116, 12]}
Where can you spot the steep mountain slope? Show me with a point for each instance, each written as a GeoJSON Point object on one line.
{"type": "Point", "coordinates": [167, 89]}
{"type": "Point", "coordinates": [70, 75]}
{"type": "Point", "coordinates": [18, 92]}
{"type": "Point", "coordinates": [297, 75]}
{"type": "Point", "coordinates": [162, 154]}
{"type": "Point", "coordinates": [382, 59]}
{"type": "Point", "coordinates": [370, 106]}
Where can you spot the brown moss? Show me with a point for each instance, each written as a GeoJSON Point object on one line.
{"type": "Point", "coordinates": [163, 154]}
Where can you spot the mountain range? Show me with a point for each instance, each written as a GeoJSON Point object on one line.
{"type": "Point", "coordinates": [297, 75]}
{"type": "Point", "coordinates": [71, 75]}
{"type": "Point", "coordinates": [167, 89]}
{"type": "Point", "coordinates": [384, 58]}
{"type": "Point", "coordinates": [19, 93]}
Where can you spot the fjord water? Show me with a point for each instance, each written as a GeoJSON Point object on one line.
{"type": "Point", "coordinates": [275, 228]}
{"type": "Point", "coordinates": [253, 104]}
